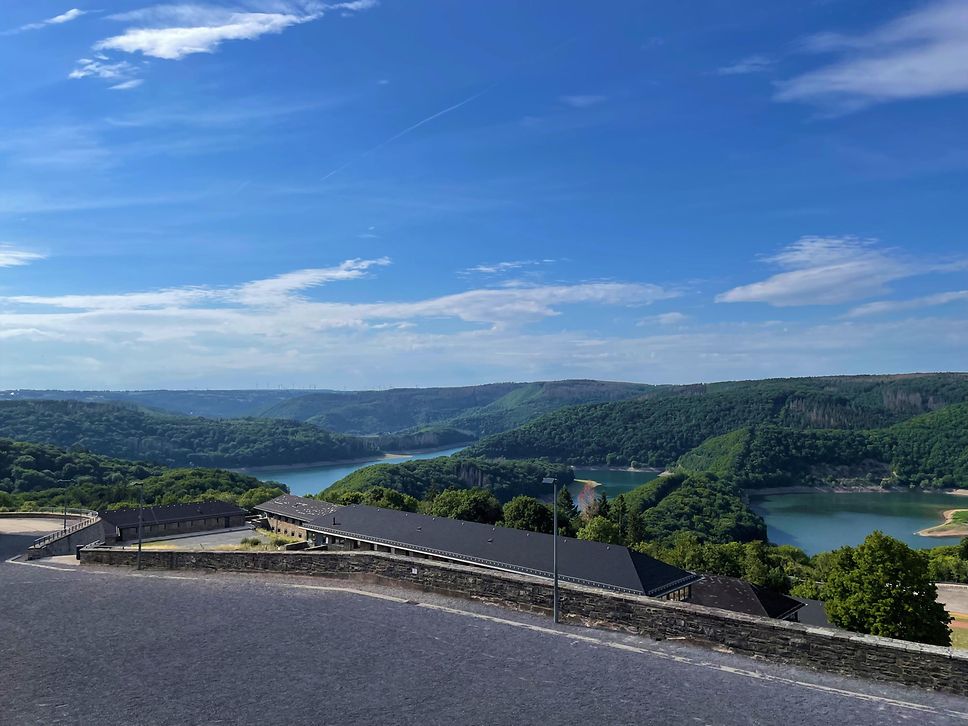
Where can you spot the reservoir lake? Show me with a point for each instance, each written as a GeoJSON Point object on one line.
{"type": "Point", "coordinates": [313, 479]}
{"type": "Point", "coordinates": [611, 481]}
{"type": "Point", "coordinates": [824, 520]}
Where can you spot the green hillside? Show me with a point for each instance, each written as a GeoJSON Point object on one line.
{"type": "Point", "coordinates": [212, 404]}
{"type": "Point", "coordinates": [173, 440]}
{"type": "Point", "coordinates": [662, 425]}
{"type": "Point", "coordinates": [506, 479]}
{"type": "Point", "coordinates": [477, 410]}
{"type": "Point", "coordinates": [930, 450]}
{"type": "Point", "coordinates": [38, 475]}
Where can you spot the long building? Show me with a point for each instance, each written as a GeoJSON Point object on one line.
{"type": "Point", "coordinates": [612, 567]}
{"type": "Point", "coordinates": [168, 519]}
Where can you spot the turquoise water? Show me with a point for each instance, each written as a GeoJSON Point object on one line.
{"type": "Point", "coordinates": [818, 521]}
{"type": "Point", "coordinates": [313, 480]}
{"type": "Point", "coordinates": [612, 483]}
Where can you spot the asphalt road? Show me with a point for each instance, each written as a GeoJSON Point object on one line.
{"type": "Point", "coordinates": [108, 646]}
{"type": "Point", "coordinates": [954, 598]}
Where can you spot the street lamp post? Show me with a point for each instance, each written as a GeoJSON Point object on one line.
{"type": "Point", "coordinates": [141, 517]}
{"type": "Point", "coordinates": [64, 499]}
{"type": "Point", "coordinates": [554, 540]}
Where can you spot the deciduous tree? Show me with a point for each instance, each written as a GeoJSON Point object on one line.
{"type": "Point", "coordinates": [882, 587]}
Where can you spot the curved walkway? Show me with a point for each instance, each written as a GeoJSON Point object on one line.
{"type": "Point", "coordinates": [185, 648]}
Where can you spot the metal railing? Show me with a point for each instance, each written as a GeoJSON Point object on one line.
{"type": "Point", "coordinates": [88, 518]}
{"type": "Point", "coordinates": [71, 512]}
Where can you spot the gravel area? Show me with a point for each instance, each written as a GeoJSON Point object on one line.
{"type": "Point", "coordinates": [32, 525]}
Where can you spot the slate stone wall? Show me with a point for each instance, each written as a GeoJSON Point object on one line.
{"type": "Point", "coordinates": [825, 649]}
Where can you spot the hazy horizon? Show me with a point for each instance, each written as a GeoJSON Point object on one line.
{"type": "Point", "coordinates": [324, 389]}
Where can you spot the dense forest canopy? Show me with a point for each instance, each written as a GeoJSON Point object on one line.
{"type": "Point", "coordinates": [213, 403]}
{"type": "Point", "coordinates": [45, 476]}
{"type": "Point", "coordinates": [174, 440]}
{"type": "Point", "coordinates": [928, 451]}
{"type": "Point", "coordinates": [709, 508]}
{"type": "Point", "coordinates": [658, 427]}
{"type": "Point", "coordinates": [505, 479]}
{"type": "Point", "coordinates": [475, 410]}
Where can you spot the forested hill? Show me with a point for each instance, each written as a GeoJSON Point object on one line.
{"type": "Point", "coordinates": [472, 410]}
{"type": "Point", "coordinates": [478, 410]}
{"type": "Point", "coordinates": [505, 479]}
{"type": "Point", "coordinates": [927, 451]}
{"type": "Point", "coordinates": [173, 440]}
{"type": "Point", "coordinates": [212, 404]}
{"type": "Point", "coordinates": [659, 427]}
{"type": "Point", "coordinates": [38, 475]}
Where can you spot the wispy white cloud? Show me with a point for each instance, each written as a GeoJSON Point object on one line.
{"type": "Point", "coordinates": [64, 17]}
{"type": "Point", "coordinates": [53, 146]}
{"type": "Point", "coordinates": [246, 112]}
{"type": "Point", "coordinates": [918, 55]}
{"type": "Point", "coordinates": [829, 271]}
{"type": "Point", "coordinates": [671, 318]}
{"type": "Point", "coordinates": [497, 268]}
{"type": "Point", "coordinates": [281, 288]}
{"type": "Point", "coordinates": [750, 64]}
{"type": "Point", "coordinates": [267, 292]}
{"type": "Point", "coordinates": [276, 309]}
{"type": "Point", "coordinates": [582, 101]}
{"type": "Point", "coordinates": [882, 307]}
{"type": "Point", "coordinates": [209, 29]}
{"type": "Point", "coordinates": [174, 32]}
{"type": "Point", "coordinates": [233, 349]}
{"type": "Point", "coordinates": [71, 14]}
{"type": "Point", "coordinates": [127, 85]}
{"type": "Point", "coordinates": [101, 67]}
{"type": "Point", "coordinates": [11, 256]}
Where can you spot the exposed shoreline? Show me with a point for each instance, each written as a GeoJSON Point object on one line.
{"type": "Point", "coordinates": [939, 530]}
{"type": "Point", "coordinates": [311, 464]}
{"type": "Point", "coordinates": [315, 464]}
{"type": "Point", "coordinates": [647, 469]}
{"type": "Point", "coordinates": [872, 489]}
{"type": "Point", "coordinates": [456, 445]}
{"type": "Point", "coordinates": [804, 489]}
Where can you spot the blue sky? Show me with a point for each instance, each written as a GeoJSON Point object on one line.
{"type": "Point", "coordinates": [427, 192]}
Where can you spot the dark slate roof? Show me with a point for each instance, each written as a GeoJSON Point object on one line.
{"type": "Point", "coordinates": [587, 563]}
{"type": "Point", "coordinates": [814, 613]}
{"type": "Point", "coordinates": [168, 513]}
{"type": "Point", "coordinates": [300, 508]}
{"type": "Point", "coordinates": [739, 596]}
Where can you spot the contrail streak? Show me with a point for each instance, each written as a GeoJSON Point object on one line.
{"type": "Point", "coordinates": [407, 130]}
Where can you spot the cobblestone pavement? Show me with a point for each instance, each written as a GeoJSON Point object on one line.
{"type": "Point", "coordinates": [107, 645]}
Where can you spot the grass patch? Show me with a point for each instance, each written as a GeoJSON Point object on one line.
{"type": "Point", "coordinates": [960, 517]}
{"type": "Point", "coordinates": [959, 638]}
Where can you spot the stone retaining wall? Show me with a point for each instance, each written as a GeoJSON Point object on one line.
{"type": "Point", "coordinates": [836, 651]}
{"type": "Point", "coordinates": [66, 544]}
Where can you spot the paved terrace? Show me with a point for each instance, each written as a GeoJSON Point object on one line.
{"type": "Point", "coordinates": [92, 645]}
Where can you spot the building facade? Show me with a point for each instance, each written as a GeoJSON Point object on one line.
{"type": "Point", "coordinates": [288, 514]}
{"type": "Point", "coordinates": [160, 521]}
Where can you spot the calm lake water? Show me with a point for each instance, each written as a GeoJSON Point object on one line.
{"type": "Point", "coordinates": [612, 483]}
{"type": "Point", "coordinates": [313, 480]}
{"type": "Point", "coordinates": [818, 521]}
